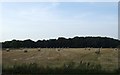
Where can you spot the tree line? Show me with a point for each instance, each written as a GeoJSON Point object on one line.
{"type": "Point", "coordinates": [61, 42]}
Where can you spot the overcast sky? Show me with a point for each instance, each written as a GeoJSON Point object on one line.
{"type": "Point", "coordinates": [50, 20]}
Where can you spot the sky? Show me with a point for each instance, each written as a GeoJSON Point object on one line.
{"type": "Point", "coordinates": [50, 20]}
{"type": "Point", "coordinates": [59, 0]}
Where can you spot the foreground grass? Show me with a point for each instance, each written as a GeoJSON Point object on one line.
{"type": "Point", "coordinates": [50, 61]}
{"type": "Point", "coordinates": [108, 58]}
{"type": "Point", "coordinates": [68, 68]}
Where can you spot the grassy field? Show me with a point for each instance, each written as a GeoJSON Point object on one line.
{"type": "Point", "coordinates": [108, 58]}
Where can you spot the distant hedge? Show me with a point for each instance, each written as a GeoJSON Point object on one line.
{"type": "Point", "coordinates": [61, 42]}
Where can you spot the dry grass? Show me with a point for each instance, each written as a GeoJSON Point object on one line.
{"type": "Point", "coordinates": [108, 57]}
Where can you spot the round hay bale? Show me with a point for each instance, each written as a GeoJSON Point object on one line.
{"type": "Point", "coordinates": [89, 49]}
{"type": "Point", "coordinates": [25, 51]}
{"type": "Point", "coordinates": [39, 49]}
{"type": "Point", "coordinates": [97, 51]}
{"type": "Point", "coordinates": [115, 49]}
{"type": "Point", "coordinates": [8, 50]}
{"type": "Point", "coordinates": [58, 49]}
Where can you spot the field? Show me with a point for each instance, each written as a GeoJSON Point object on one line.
{"type": "Point", "coordinates": [108, 57]}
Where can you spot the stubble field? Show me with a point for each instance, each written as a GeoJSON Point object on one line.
{"type": "Point", "coordinates": [108, 57]}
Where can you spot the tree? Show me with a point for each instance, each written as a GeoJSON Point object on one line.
{"type": "Point", "coordinates": [76, 42]}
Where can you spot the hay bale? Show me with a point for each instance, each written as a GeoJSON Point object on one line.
{"type": "Point", "coordinates": [58, 49]}
{"type": "Point", "coordinates": [39, 49]}
{"type": "Point", "coordinates": [8, 50]}
{"type": "Point", "coordinates": [115, 49]}
{"type": "Point", "coordinates": [97, 51]}
{"type": "Point", "coordinates": [25, 51]}
{"type": "Point", "coordinates": [89, 49]}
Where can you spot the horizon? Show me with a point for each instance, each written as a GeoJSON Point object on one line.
{"type": "Point", "coordinates": [59, 37]}
{"type": "Point", "coordinates": [62, 37]}
{"type": "Point", "coordinates": [46, 20]}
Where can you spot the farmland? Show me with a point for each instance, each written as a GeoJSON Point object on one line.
{"type": "Point", "coordinates": [108, 57]}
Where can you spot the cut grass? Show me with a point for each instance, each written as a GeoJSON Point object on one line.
{"type": "Point", "coordinates": [107, 59]}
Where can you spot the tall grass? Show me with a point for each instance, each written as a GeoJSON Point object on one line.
{"type": "Point", "coordinates": [67, 68]}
